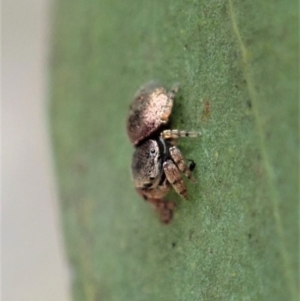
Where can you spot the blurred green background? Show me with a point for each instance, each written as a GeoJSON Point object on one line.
{"type": "Point", "coordinates": [237, 65]}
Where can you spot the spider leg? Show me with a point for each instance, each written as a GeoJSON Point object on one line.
{"type": "Point", "coordinates": [174, 177]}
{"type": "Point", "coordinates": [167, 108]}
{"type": "Point", "coordinates": [182, 166]}
{"type": "Point", "coordinates": [175, 134]}
{"type": "Point", "coordinates": [164, 208]}
{"type": "Point", "coordinates": [173, 91]}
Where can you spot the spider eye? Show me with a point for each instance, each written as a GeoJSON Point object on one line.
{"type": "Point", "coordinates": [152, 151]}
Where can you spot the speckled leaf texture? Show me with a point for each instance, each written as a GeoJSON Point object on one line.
{"type": "Point", "coordinates": [237, 237]}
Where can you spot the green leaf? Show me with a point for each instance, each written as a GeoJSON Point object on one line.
{"type": "Point", "coordinates": [237, 65]}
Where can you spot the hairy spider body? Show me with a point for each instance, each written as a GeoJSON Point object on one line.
{"type": "Point", "coordinates": [157, 163]}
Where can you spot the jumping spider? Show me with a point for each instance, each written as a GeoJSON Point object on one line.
{"type": "Point", "coordinates": [157, 163]}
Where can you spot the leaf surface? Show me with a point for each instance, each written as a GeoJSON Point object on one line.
{"type": "Point", "coordinates": [237, 65]}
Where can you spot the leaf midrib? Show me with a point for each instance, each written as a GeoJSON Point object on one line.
{"type": "Point", "coordinates": [266, 159]}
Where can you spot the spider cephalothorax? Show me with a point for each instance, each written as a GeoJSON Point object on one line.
{"type": "Point", "coordinates": [157, 163]}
